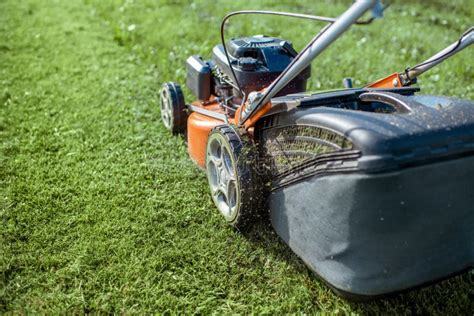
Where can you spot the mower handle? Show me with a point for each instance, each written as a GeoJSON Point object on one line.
{"type": "Point", "coordinates": [409, 76]}
{"type": "Point", "coordinates": [315, 47]}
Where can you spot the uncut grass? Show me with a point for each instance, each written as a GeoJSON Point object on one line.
{"type": "Point", "coordinates": [101, 208]}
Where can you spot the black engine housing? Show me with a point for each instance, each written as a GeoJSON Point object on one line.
{"type": "Point", "coordinates": [256, 61]}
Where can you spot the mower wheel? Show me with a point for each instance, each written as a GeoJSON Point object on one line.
{"type": "Point", "coordinates": [173, 108]}
{"type": "Point", "coordinates": [233, 180]}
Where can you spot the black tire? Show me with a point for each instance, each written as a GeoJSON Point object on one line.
{"type": "Point", "coordinates": [242, 203]}
{"type": "Point", "coordinates": [173, 108]}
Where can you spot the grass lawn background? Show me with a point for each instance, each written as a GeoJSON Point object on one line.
{"type": "Point", "coordinates": [102, 210]}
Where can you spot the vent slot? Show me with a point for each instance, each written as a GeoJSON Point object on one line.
{"type": "Point", "coordinates": [288, 147]}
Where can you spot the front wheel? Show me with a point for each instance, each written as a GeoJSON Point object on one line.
{"type": "Point", "coordinates": [173, 108]}
{"type": "Point", "coordinates": [233, 180]}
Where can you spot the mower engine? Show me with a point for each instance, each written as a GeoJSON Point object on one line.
{"type": "Point", "coordinates": [256, 62]}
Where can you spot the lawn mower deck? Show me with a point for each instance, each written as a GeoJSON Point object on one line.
{"type": "Point", "coordinates": [369, 186]}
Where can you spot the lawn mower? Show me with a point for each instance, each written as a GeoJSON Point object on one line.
{"type": "Point", "coordinates": [371, 187]}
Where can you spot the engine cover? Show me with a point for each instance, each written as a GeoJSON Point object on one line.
{"type": "Point", "coordinates": [257, 61]}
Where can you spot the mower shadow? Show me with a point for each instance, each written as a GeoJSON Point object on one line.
{"type": "Point", "coordinates": [438, 296]}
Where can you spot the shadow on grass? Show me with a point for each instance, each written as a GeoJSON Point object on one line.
{"type": "Point", "coordinates": [442, 297]}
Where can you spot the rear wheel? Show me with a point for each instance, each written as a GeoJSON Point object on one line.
{"type": "Point", "coordinates": [173, 107]}
{"type": "Point", "coordinates": [231, 172]}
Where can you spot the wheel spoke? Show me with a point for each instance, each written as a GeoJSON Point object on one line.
{"type": "Point", "coordinates": [213, 176]}
{"type": "Point", "coordinates": [222, 153]}
{"type": "Point", "coordinates": [227, 160]}
{"type": "Point", "coordinates": [223, 191]}
{"type": "Point", "coordinates": [165, 102]}
{"type": "Point", "coordinates": [214, 159]}
{"type": "Point", "coordinates": [215, 152]}
{"type": "Point", "coordinates": [231, 194]}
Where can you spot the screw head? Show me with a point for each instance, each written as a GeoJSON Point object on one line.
{"type": "Point", "coordinates": [395, 82]}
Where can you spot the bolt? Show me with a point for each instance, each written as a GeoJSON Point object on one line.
{"type": "Point", "coordinates": [395, 82]}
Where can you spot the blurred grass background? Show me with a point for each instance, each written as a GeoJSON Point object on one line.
{"type": "Point", "coordinates": [409, 33]}
{"type": "Point", "coordinates": [102, 210]}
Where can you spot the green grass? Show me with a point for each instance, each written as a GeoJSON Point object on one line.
{"type": "Point", "coordinates": [102, 210]}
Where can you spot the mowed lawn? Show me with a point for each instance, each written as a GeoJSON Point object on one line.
{"type": "Point", "coordinates": [101, 209]}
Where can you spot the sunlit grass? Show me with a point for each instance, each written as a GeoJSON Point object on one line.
{"type": "Point", "coordinates": [101, 208]}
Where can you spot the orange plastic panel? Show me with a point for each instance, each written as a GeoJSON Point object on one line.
{"type": "Point", "coordinates": [392, 81]}
{"type": "Point", "coordinates": [199, 127]}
